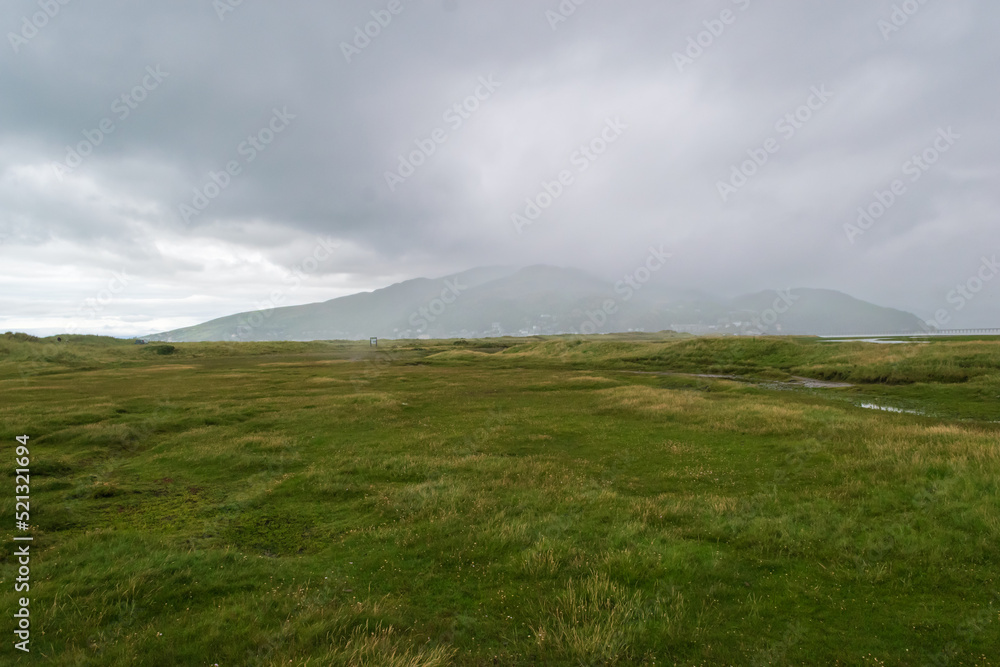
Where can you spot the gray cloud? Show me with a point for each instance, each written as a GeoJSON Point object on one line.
{"type": "Point", "coordinates": [324, 174]}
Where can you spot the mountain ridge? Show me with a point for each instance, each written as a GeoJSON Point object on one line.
{"type": "Point", "coordinates": [542, 299]}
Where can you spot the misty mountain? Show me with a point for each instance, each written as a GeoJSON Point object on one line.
{"type": "Point", "coordinates": [495, 301]}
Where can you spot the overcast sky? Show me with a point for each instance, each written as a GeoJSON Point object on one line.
{"type": "Point", "coordinates": [119, 120]}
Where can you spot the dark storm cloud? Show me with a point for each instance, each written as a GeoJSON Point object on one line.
{"type": "Point", "coordinates": [189, 88]}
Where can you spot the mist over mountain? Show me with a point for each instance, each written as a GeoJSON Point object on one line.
{"type": "Point", "coordinates": [495, 301]}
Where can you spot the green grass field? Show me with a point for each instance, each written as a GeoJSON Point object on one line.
{"type": "Point", "coordinates": [556, 501]}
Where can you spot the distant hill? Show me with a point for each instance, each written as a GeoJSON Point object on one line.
{"type": "Point", "coordinates": [494, 301]}
{"type": "Point", "coordinates": [824, 312]}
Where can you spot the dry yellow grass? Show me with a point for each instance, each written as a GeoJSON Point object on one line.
{"type": "Point", "coordinates": [383, 647]}
{"type": "Point", "coordinates": [591, 378]}
{"type": "Point", "coordinates": [368, 401]}
{"type": "Point", "coordinates": [918, 444]}
{"type": "Point", "coordinates": [458, 355]}
{"type": "Point", "coordinates": [653, 400]}
{"type": "Point", "coordinates": [262, 441]}
{"type": "Point", "coordinates": [758, 418]}
{"type": "Point", "coordinates": [327, 380]}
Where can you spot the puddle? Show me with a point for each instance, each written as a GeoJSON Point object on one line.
{"type": "Point", "coordinates": [880, 341]}
{"type": "Point", "coordinates": [796, 381]}
{"type": "Point", "coordinates": [885, 408]}
{"type": "Point", "coordinates": [820, 384]}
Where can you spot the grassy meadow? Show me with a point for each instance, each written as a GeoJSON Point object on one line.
{"type": "Point", "coordinates": [532, 501]}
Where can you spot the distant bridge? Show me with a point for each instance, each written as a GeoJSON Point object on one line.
{"type": "Point", "coordinates": [938, 332]}
{"type": "Point", "coordinates": [962, 332]}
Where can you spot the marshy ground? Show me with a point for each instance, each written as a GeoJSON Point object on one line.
{"type": "Point", "coordinates": [508, 501]}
